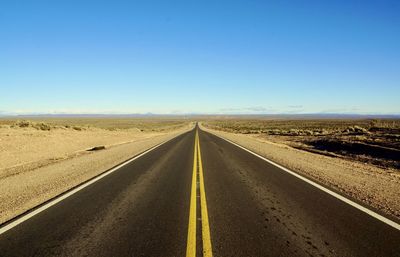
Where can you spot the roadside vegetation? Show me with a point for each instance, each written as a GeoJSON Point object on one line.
{"type": "Point", "coordinates": [366, 140]}
{"type": "Point", "coordinates": [142, 124]}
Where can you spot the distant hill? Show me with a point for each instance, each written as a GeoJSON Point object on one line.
{"type": "Point", "coordinates": [209, 116]}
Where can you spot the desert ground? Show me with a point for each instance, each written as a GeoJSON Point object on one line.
{"type": "Point", "coordinates": [43, 157]}
{"type": "Point", "coordinates": [357, 157]}
{"type": "Point", "coordinates": [158, 196]}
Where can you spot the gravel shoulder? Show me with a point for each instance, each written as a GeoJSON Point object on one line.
{"type": "Point", "coordinates": [38, 165]}
{"type": "Point", "coordinates": [372, 185]}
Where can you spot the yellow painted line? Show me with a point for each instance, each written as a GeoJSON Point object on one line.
{"type": "Point", "coordinates": [191, 238]}
{"type": "Point", "coordinates": [207, 249]}
{"type": "Point", "coordinates": [205, 226]}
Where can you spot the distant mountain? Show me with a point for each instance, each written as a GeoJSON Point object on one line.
{"type": "Point", "coordinates": [209, 116]}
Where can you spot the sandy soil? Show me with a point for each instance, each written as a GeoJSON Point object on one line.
{"type": "Point", "coordinates": [370, 184]}
{"type": "Point", "coordinates": [37, 165]}
{"type": "Point", "coordinates": [26, 148]}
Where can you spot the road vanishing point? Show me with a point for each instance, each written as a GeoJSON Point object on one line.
{"type": "Point", "coordinates": [200, 195]}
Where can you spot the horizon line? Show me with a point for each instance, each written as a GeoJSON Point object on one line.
{"type": "Point", "coordinates": [333, 114]}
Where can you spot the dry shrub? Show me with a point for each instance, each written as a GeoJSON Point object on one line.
{"type": "Point", "coordinates": [22, 124]}
{"type": "Point", "coordinates": [30, 124]}
{"type": "Point", "coordinates": [356, 130]}
{"type": "Point", "coordinates": [41, 126]}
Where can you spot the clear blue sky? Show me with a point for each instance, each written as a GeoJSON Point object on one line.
{"type": "Point", "coordinates": [200, 56]}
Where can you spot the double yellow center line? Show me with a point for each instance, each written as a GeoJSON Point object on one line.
{"type": "Point", "coordinates": [205, 227]}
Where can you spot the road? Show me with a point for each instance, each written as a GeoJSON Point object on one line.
{"type": "Point", "coordinates": [199, 195]}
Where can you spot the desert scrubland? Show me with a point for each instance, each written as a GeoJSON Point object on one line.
{"type": "Point", "coordinates": [41, 158]}
{"type": "Point", "coordinates": [357, 157]}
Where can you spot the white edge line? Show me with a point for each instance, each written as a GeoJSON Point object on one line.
{"type": "Point", "coordinates": [326, 190]}
{"type": "Point", "coordinates": [75, 190]}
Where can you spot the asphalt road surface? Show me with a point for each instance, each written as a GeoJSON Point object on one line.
{"type": "Point", "coordinates": [199, 195]}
